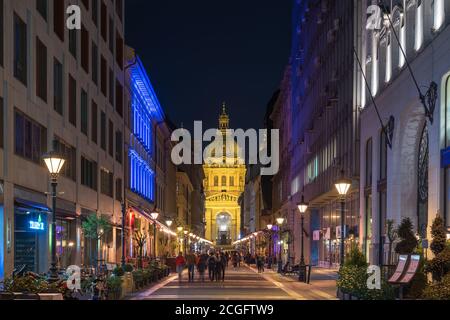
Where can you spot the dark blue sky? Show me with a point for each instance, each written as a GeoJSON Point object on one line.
{"type": "Point", "coordinates": [199, 53]}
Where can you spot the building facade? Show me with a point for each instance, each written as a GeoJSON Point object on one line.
{"type": "Point", "coordinates": [325, 125]}
{"type": "Point", "coordinates": [223, 184]}
{"type": "Point", "coordinates": [61, 89]}
{"type": "Point", "coordinates": [149, 172]}
{"type": "Point", "coordinates": [411, 179]}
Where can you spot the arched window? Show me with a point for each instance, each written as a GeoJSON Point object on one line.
{"type": "Point", "coordinates": [224, 181]}
{"type": "Point", "coordinates": [216, 181]}
{"type": "Point", "coordinates": [231, 181]}
{"type": "Point", "coordinates": [438, 13]}
{"type": "Point", "coordinates": [422, 183]}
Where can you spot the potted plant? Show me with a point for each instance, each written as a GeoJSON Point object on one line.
{"type": "Point", "coordinates": [114, 285]}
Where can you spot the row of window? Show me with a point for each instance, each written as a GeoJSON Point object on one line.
{"type": "Point", "coordinates": [104, 129]}
{"type": "Point", "coordinates": [31, 143]}
{"type": "Point", "coordinates": [223, 181]}
{"type": "Point", "coordinates": [412, 27]}
{"type": "Point", "coordinates": [108, 82]}
{"type": "Point", "coordinates": [383, 149]}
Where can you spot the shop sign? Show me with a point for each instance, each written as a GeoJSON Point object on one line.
{"type": "Point", "coordinates": [316, 235]}
{"type": "Point", "coordinates": [445, 158]}
{"type": "Point", "coordinates": [37, 225]}
{"type": "Point", "coordinates": [327, 235]}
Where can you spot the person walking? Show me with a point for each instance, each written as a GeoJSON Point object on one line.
{"type": "Point", "coordinates": [180, 262]}
{"type": "Point", "coordinates": [211, 262]}
{"type": "Point", "coordinates": [224, 260]}
{"type": "Point", "coordinates": [259, 263]}
{"type": "Point", "coordinates": [235, 261]}
{"type": "Point", "coordinates": [190, 259]}
{"type": "Point", "coordinates": [201, 266]}
{"type": "Point", "coordinates": [219, 267]}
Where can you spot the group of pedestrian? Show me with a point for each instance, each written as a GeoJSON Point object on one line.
{"type": "Point", "coordinates": [216, 264]}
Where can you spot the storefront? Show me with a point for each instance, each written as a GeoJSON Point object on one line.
{"type": "Point", "coordinates": [66, 233]}
{"type": "Point", "coordinates": [31, 235]}
{"type": "Point", "coordinates": [327, 239]}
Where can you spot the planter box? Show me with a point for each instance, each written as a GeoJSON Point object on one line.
{"type": "Point", "coordinates": [127, 284]}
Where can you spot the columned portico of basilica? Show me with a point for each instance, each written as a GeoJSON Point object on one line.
{"type": "Point", "coordinates": [223, 184]}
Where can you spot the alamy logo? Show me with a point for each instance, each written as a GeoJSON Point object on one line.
{"type": "Point", "coordinates": [74, 278]}
{"type": "Point", "coordinates": [73, 21]}
{"type": "Point", "coordinates": [228, 147]}
{"type": "Point", "coordinates": [374, 279]}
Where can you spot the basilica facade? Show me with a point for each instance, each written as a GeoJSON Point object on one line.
{"type": "Point", "coordinates": [223, 184]}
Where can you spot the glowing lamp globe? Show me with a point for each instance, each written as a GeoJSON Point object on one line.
{"type": "Point", "coordinates": [269, 226]}
{"type": "Point", "coordinates": [302, 206]}
{"type": "Point", "coordinates": [154, 215]}
{"type": "Point", "coordinates": [54, 162]}
{"type": "Point", "coordinates": [342, 186]}
{"type": "Point", "coordinates": [169, 223]}
{"type": "Point", "coordinates": [280, 221]}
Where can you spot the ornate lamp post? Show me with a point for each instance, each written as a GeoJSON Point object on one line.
{"type": "Point", "coordinates": [154, 216]}
{"type": "Point", "coordinates": [343, 186]}
{"type": "Point", "coordinates": [280, 222]}
{"type": "Point", "coordinates": [54, 163]}
{"type": "Point", "coordinates": [180, 233]}
{"type": "Point", "coordinates": [302, 207]}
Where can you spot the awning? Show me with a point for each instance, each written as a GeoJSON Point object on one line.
{"type": "Point", "coordinates": [147, 216]}
{"type": "Point", "coordinates": [26, 204]}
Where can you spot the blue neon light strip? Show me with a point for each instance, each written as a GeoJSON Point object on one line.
{"type": "Point", "coordinates": [142, 177]}
{"type": "Point", "coordinates": [143, 88]}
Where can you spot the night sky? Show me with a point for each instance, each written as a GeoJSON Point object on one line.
{"type": "Point", "coordinates": [200, 53]}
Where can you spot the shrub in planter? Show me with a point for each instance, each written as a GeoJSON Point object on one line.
{"type": "Point", "coordinates": [114, 285]}
{"type": "Point", "coordinates": [128, 268]}
{"type": "Point", "coordinates": [439, 266]}
{"type": "Point", "coordinates": [408, 241]}
{"type": "Point", "coordinates": [353, 281]}
{"type": "Point", "coordinates": [439, 290]}
{"type": "Point", "coordinates": [118, 271]}
{"type": "Point", "coordinates": [138, 278]}
{"type": "Point", "coordinates": [147, 276]}
{"type": "Point", "coordinates": [353, 278]}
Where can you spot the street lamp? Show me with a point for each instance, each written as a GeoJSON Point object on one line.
{"type": "Point", "coordinates": [169, 222]}
{"type": "Point", "coordinates": [280, 222]}
{"type": "Point", "coordinates": [269, 227]}
{"type": "Point", "coordinates": [154, 216]}
{"type": "Point", "coordinates": [54, 162]}
{"type": "Point", "coordinates": [185, 241]}
{"type": "Point", "coordinates": [302, 207]}
{"type": "Point", "coordinates": [343, 186]}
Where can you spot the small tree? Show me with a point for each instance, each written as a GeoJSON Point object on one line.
{"type": "Point", "coordinates": [439, 234]}
{"type": "Point", "coordinates": [140, 237]}
{"type": "Point", "coordinates": [408, 241]}
{"type": "Point", "coordinates": [391, 233]}
{"type": "Point", "coordinates": [439, 266]}
{"type": "Point", "coordinates": [94, 228]}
